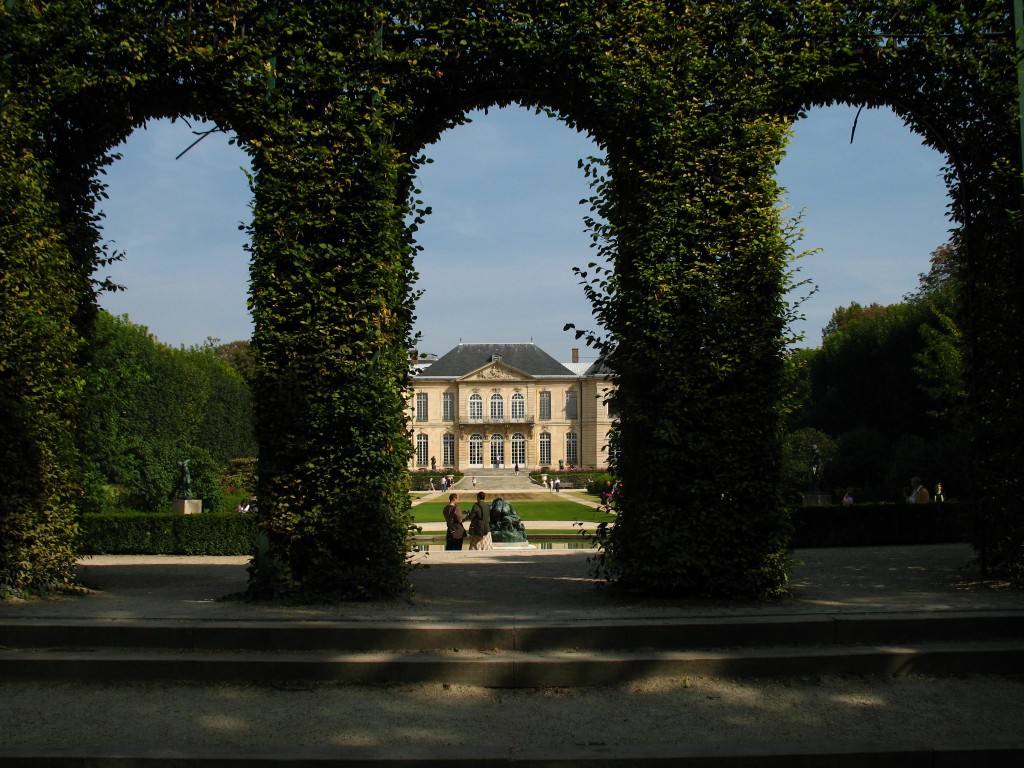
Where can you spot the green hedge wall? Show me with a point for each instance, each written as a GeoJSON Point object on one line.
{"type": "Point", "coordinates": [232, 534]}
{"type": "Point", "coordinates": [168, 534]}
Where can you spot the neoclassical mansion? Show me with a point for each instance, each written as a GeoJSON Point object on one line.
{"type": "Point", "coordinates": [498, 405]}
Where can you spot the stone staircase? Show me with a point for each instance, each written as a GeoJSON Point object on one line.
{"type": "Point", "coordinates": [537, 655]}
{"type": "Point", "coordinates": [497, 480]}
{"type": "Point", "coordinates": [512, 655]}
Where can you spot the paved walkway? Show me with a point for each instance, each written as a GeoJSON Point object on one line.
{"type": "Point", "coordinates": [705, 721]}
{"type": "Point", "coordinates": [503, 585]}
{"type": "Point", "coordinates": [517, 584]}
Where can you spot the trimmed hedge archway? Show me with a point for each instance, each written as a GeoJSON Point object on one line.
{"type": "Point", "coordinates": [692, 101]}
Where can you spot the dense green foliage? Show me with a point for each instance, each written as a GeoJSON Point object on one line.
{"type": "Point", "coordinates": [692, 102]}
{"type": "Point", "coordinates": [886, 393]}
{"type": "Point", "coordinates": [167, 534]}
{"type": "Point", "coordinates": [877, 394]}
{"type": "Point", "coordinates": [149, 406]}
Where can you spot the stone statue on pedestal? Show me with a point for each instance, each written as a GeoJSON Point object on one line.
{"type": "Point", "coordinates": [184, 480]}
{"type": "Point", "coordinates": [814, 470]}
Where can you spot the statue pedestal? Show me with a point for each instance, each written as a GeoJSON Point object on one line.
{"type": "Point", "coordinates": [187, 506]}
{"type": "Point", "coordinates": [817, 500]}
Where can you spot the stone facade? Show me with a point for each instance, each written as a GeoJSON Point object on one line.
{"type": "Point", "coordinates": [498, 405]}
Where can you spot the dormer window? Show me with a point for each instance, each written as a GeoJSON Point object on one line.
{"type": "Point", "coordinates": [495, 358]}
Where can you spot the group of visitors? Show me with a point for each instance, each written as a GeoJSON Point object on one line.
{"type": "Point", "coordinates": [447, 481]}
{"type": "Point", "coordinates": [915, 493]}
{"type": "Point", "coordinates": [554, 485]}
{"type": "Point", "coordinates": [479, 532]}
{"type": "Point", "coordinates": [247, 507]}
{"type": "Point", "coordinates": [608, 493]}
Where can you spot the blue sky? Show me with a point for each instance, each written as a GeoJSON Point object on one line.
{"type": "Point", "coordinates": [507, 227]}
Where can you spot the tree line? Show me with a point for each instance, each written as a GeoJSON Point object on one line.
{"type": "Point", "coordinates": [150, 405]}
{"type": "Point", "coordinates": [881, 399]}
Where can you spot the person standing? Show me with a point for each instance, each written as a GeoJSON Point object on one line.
{"type": "Point", "coordinates": [454, 532]}
{"type": "Point", "coordinates": [919, 494]}
{"type": "Point", "coordinates": [479, 525]}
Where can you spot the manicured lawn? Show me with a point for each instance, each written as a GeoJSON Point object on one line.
{"type": "Point", "coordinates": [431, 512]}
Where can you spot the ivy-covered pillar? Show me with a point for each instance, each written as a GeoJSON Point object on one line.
{"type": "Point", "coordinates": [698, 339]}
{"type": "Point", "coordinates": [994, 308]}
{"type": "Point", "coordinates": [330, 299]}
{"type": "Point", "coordinates": [41, 291]}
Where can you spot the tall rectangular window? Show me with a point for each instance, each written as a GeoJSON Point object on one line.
{"type": "Point", "coordinates": [449, 449]}
{"type": "Point", "coordinates": [570, 406]}
{"type": "Point", "coordinates": [545, 405]}
{"type": "Point", "coordinates": [497, 407]}
{"type": "Point", "coordinates": [421, 406]}
{"type": "Point", "coordinates": [448, 406]}
{"type": "Point", "coordinates": [572, 452]}
{"type": "Point", "coordinates": [545, 449]}
{"type": "Point", "coordinates": [422, 451]}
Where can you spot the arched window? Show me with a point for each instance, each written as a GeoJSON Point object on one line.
{"type": "Point", "coordinates": [497, 407]}
{"type": "Point", "coordinates": [572, 449]}
{"type": "Point", "coordinates": [448, 449]}
{"type": "Point", "coordinates": [519, 449]}
{"type": "Point", "coordinates": [497, 451]}
{"type": "Point", "coordinates": [476, 450]}
{"type": "Point", "coordinates": [518, 406]}
{"type": "Point", "coordinates": [476, 408]}
{"type": "Point", "coordinates": [545, 449]}
{"type": "Point", "coordinates": [422, 451]}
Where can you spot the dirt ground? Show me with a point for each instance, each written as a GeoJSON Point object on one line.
{"type": "Point", "coordinates": [715, 714]}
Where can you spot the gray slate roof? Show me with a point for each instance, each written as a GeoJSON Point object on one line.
{"type": "Point", "coordinates": [528, 358]}
{"type": "Point", "coordinates": [599, 368]}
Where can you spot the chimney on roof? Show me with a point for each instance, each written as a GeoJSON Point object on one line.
{"type": "Point", "coordinates": [575, 354]}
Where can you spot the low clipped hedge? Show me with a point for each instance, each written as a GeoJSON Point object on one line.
{"type": "Point", "coordinates": [882, 524]}
{"type": "Point", "coordinates": [167, 534]}
{"type": "Point", "coordinates": [232, 534]}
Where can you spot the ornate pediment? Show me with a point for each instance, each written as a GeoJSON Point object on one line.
{"type": "Point", "coordinates": [495, 372]}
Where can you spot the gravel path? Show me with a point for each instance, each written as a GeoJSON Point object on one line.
{"type": "Point", "coordinates": [716, 715]}
{"type": "Point", "coordinates": [826, 712]}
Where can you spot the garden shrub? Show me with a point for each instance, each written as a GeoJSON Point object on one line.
{"type": "Point", "coordinates": [168, 534]}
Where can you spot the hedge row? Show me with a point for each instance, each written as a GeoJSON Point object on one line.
{"type": "Point", "coordinates": [168, 534]}
{"type": "Point", "coordinates": [231, 534]}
